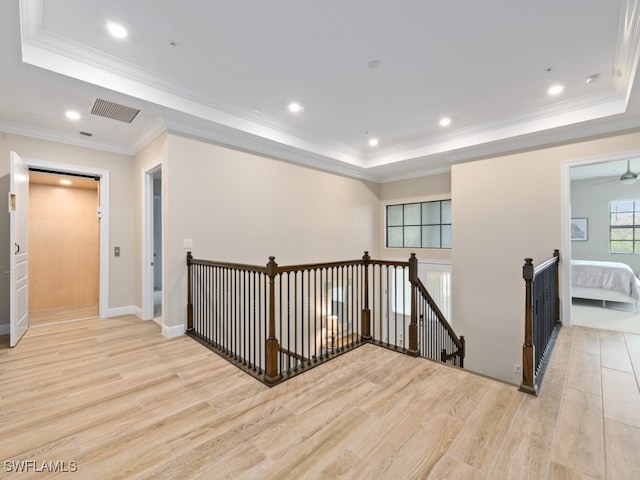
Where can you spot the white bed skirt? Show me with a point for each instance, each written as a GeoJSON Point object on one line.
{"type": "Point", "coordinates": [601, 294]}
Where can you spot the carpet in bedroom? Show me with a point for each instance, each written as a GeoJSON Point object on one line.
{"type": "Point", "coordinates": [621, 317]}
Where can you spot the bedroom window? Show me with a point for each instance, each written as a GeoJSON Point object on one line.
{"type": "Point", "coordinates": [624, 226]}
{"type": "Point", "coordinates": [419, 225]}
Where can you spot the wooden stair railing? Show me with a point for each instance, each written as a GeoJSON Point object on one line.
{"type": "Point", "coordinates": [277, 321]}
{"type": "Point", "coordinates": [542, 319]}
{"type": "Point", "coordinates": [450, 346]}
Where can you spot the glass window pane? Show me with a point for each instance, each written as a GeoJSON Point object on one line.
{"type": "Point", "coordinates": [622, 218]}
{"type": "Point", "coordinates": [446, 211]}
{"type": "Point", "coordinates": [394, 237]}
{"type": "Point", "coordinates": [430, 213]}
{"type": "Point", "coordinates": [621, 207]}
{"type": "Point", "coordinates": [621, 247]}
{"type": "Point", "coordinates": [431, 236]}
{"type": "Point", "coordinates": [421, 225]}
{"type": "Point", "coordinates": [412, 237]}
{"type": "Point", "coordinates": [412, 214]}
{"type": "Point", "coordinates": [621, 233]}
{"type": "Point", "coordinates": [394, 215]}
{"type": "Point", "coordinates": [446, 236]}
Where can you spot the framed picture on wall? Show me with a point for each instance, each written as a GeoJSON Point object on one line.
{"type": "Point", "coordinates": [579, 229]}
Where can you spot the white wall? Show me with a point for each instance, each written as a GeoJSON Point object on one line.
{"type": "Point", "coordinates": [239, 207]}
{"type": "Point", "coordinates": [590, 199]}
{"type": "Point", "coordinates": [121, 281]}
{"type": "Point", "coordinates": [154, 152]}
{"type": "Point", "coordinates": [506, 209]}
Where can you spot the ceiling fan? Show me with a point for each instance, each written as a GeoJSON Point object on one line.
{"type": "Point", "coordinates": [627, 178]}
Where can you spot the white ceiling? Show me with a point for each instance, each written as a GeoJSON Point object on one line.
{"type": "Point", "coordinates": [226, 71]}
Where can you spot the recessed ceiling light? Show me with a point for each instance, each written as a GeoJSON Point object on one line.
{"type": "Point", "coordinates": [72, 115]}
{"type": "Point", "coordinates": [555, 90]}
{"type": "Point", "coordinates": [373, 142]}
{"type": "Point", "coordinates": [593, 78]}
{"type": "Point", "coordinates": [117, 30]}
{"type": "Point", "coordinates": [445, 122]}
{"type": "Point", "coordinates": [65, 182]}
{"type": "Point", "coordinates": [295, 107]}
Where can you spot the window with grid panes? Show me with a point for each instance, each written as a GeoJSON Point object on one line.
{"type": "Point", "coordinates": [419, 225]}
{"type": "Point", "coordinates": [624, 226]}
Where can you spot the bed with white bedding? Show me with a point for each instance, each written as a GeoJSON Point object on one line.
{"type": "Point", "coordinates": [606, 281]}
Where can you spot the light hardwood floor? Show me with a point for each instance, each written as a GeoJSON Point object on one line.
{"type": "Point", "coordinates": [121, 401]}
{"type": "Point", "coordinates": [63, 314]}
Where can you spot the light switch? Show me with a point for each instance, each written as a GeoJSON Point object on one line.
{"type": "Point", "coordinates": [116, 251]}
{"type": "Point", "coordinates": [187, 243]}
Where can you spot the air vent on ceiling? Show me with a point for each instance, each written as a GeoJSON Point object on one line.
{"type": "Point", "coordinates": [115, 111]}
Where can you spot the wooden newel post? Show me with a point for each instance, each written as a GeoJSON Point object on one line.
{"type": "Point", "coordinates": [413, 326]}
{"type": "Point", "coordinates": [528, 348]}
{"type": "Point", "coordinates": [366, 312]}
{"type": "Point", "coordinates": [272, 348]}
{"type": "Point", "coordinates": [189, 294]}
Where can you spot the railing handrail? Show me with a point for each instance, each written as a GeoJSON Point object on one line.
{"type": "Point", "coordinates": [296, 268]}
{"type": "Point", "coordinates": [425, 293]}
{"type": "Point", "coordinates": [268, 292]}
{"type": "Point", "coordinates": [531, 274]}
{"type": "Point", "coordinates": [318, 266]}
{"type": "Point", "coordinates": [236, 266]}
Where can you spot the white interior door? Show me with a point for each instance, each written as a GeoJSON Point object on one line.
{"type": "Point", "coordinates": [19, 240]}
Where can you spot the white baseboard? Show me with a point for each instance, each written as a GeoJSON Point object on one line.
{"type": "Point", "coordinates": [138, 312]}
{"type": "Point", "coordinates": [5, 329]}
{"type": "Point", "coordinates": [171, 332]}
{"type": "Point", "coordinates": [116, 312]}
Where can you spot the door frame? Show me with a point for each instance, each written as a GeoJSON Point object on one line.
{"type": "Point", "coordinates": [565, 219]}
{"type": "Point", "coordinates": [148, 171]}
{"type": "Point", "coordinates": [103, 193]}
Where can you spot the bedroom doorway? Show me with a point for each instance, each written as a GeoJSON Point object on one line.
{"type": "Point", "coordinates": [600, 198]}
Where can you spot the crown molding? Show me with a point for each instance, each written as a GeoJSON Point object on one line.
{"type": "Point", "coordinates": [253, 144]}
{"type": "Point", "coordinates": [414, 173]}
{"type": "Point", "coordinates": [244, 129]}
{"type": "Point", "coordinates": [61, 55]}
{"type": "Point", "coordinates": [54, 136]}
{"type": "Point", "coordinates": [539, 120]}
{"type": "Point", "coordinates": [628, 48]}
{"type": "Point", "coordinates": [149, 133]}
